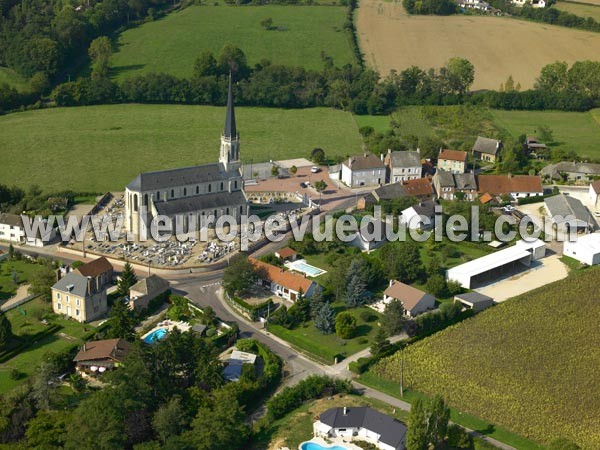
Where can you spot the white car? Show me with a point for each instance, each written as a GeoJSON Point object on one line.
{"type": "Point", "coordinates": [597, 213]}
{"type": "Point", "coordinates": [315, 169]}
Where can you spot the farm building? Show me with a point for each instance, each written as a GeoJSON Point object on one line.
{"type": "Point", "coordinates": [567, 211]}
{"type": "Point", "coordinates": [571, 171]}
{"type": "Point", "coordinates": [474, 300]}
{"type": "Point", "coordinates": [413, 300]}
{"type": "Point", "coordinates": [517, 186]}
{"type": "Point", "coordinates": [585, 249]}
{"type": "Point", "coordinates": [490, 267]}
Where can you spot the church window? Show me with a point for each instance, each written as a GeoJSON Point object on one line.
{"type": "Point", "coordinates": [197, 190]}
{"type": "Point", "coordinates": [184, 192]}
{"type": "Point", "coordinates": [227, 211]}
{"type": "Point", "coordinates": [157, 195]}
{"type": "Point", "coordinates": [221, 185]}
{"type": "Point", "coordinates": [235, 184]}
{"type": "Point", "coordinates": [172, 193]}
{"type": "Point", "coordinates": [209, 187]}
{"type": "Point", "coordinates": [135, 202]}
{"type": "Point", "coordinates": [215, 213]}
{"type": "Point", "coordinates": [241, 210]}
{"type": "Point", "coordinates": [145, 199]}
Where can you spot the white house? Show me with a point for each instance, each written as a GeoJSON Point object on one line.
{"type": "Point", "coordinates": [413, 300]}
{"type": "Point", "coordinates": [364, 424]}
{"type": "Point", "coordinates": [13, 230]}
{"type": "Point", "coordinates": [363, 170]}
{"type": "Point", "coordinates": [533, 3]}
{"type": "Point", "coordinates": [585, 249]}
{"type": "Point", "coordinates": [420, 216]}
{"type": "Point", "coordinates": [403, 166]}
{"type": "Point", "coordinates": [595, 194]}
{"type": "Point", "coordinates": [284, 283]}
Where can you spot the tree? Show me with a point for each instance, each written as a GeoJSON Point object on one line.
{"type": "Point", "coordinates": [274, 171]}
{"type": "Point", "coordinates": [5, 330]}
{"type": "Point", "coordinates": [356, 292]}
{"type": "Point", "coordinates": [345, 325]}
{"type": "Point", "coordinates": [170, 419]}
{"type": "Point", "coordinates": [434, 265]}
{"type": "Point", "coordinates": [393, 320]}
{"type": "Point", "coordinates": [77, 264]}
{"type": "Point", "coordinates": [380, 342]}
{"type": "Point", "coordinates": [563, 444]}
{"type": "Point", "coordinates": [205, 65]}
{"type": "Point", "coordinates": [100, 51]}
{"type": "Point", "coordinates": [316, 302]}
{"type": "Point", "coordinates": [293, 170]}
{"type": "Point", "coordinates": [317, 155]}
{"type": "Point", "coordinates": [126, 280]}
{"type": "Point", "coordinates": [122, 322]}
{"type": "Point", "coordinates": [233, 59]}
{"type": "Point", "coordinates": [42, 281]}
{"type": "Point", "coordinates": [325, 319]}
{"type": "Point", "coordinates": [11, 251]}
{"type": "Point", "coordinates": [39, 82]}
{"type": "Point", "coordinates": [437, 421]}
{"type": "Point", "coordinates": [47, 430]}
{"type": "Point", "coordinates": [553, 77]}
{"type": "Point", "coordinates": [320, 187]}
{"type": "Point", "coordinates": [436, 285]}
{"type": "Point", "coordinates": [461, 75]}
{"type": "Point", "coordinates": [544, 134]}
{"type": "Point", "coordinates": [267, 23]}
{"type": "Point", "coordinates": [416, 436]}
{"type": "Point", "coordinates": [240, 275]}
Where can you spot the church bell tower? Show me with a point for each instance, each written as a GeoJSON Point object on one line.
{"type": "Point", "coordinates": [230, 139]}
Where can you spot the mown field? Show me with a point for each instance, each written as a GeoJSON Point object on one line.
{"type": "Point", "coordinates": [172, 44]}
{"type": "Point", "coordinates": [100, 148]}
{"type": "Point", "coordinates": [529, 364]}
{"type": "Point", "coordinates": [391, 39]}
{"type": "Point", "coordinates": [13, 79]}
{"type": "Point", "coordinates": [587, 9]}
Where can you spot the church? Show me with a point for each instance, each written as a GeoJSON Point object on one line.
{"type": "Point", "coordinates": [197, 192]}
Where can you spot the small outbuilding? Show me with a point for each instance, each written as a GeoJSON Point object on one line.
{"type": "Point", "coordinates": [286, 254]}
{"type": "Point", "coordinates": [474, 301]}
{"type": "Point", "coordinates": [585, 249]}
{"type": "Point", "coordinates": [142, 292]}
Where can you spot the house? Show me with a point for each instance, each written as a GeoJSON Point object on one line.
{"type": "Point", "coordinates": [595, 194]}
{"type": "Point", "coordinates": [533, 3]}
{"type": "Point", "coordinates": [233, 370]}
{"type": "Point", "coordinates": [475, 4]}
{"type": "Point", "coordinates": [420, 188]}
{"type": "Point", "coordinates": [81, 294]}
{"type": "Point", "coordinates": [450, 186]}
{"type": "Point", "coordinates": [370, 236]}
{"type": "Point", "coordinates": [535, 148]}
{"type": "Point", "coordinates": [384, 193]}
{"type": "Point", "coordinates": [13, 230]}
{"type": "Point", "coordinates": [286, 254]}
{"type": "Point", "coordinates": [363, 170]}
{"type": "Point", "coordinates": [100, 356]}
{"type": "Point", "coordinates": [284, 283]}
{"type": "Point", "coordinates": [413, 300]}
{"type": "Point", "coordinates": [517, 186]}
{"type": "Point", "coordinates": [403, 165]}
{"type": "Point", "coordinates": [490, 267]}
{"type": "Point", "coordinates": [571, 171]}
{"type": "Point", "coordinates": [142, 292]}
{"type": "Point", "coordinates": [568, 211]}
{"type": "Point", "coordinates": [486, 149]}
{"type": "Point", "coordinates": [474, 301]}
{"type": "Point", "coordinates": [420, 216]}
{"type": "Point", "coordinates": [361, 423]}
{"type": "Point", "coordinates": [585, 249]}
{"type": "Point", "coordinates": [454, 161]}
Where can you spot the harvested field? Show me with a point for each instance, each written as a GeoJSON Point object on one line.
{"type": "Point", "coordinates": [588, 9]}
{"type": "Point", "coordinates": [497, 47]}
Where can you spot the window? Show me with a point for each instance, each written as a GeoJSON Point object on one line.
{"type": "Point", "coordinates": [76, 312]}
{"type": "Point", "coordinates": [235, 184]}
{"type": "Point", "coordinates": [172, 193]}
{"type": "Point", "coordinates": [221, 185]}
{"type": "Point", "coordinates": [67, 299]}
{"type": "Point", "coordinates": [184, 192]}
{"type": "Point", "coordinates": [209, 187]}
{"type": "Point", "coordinates": [77, 302]}
{"type": "Point", "coordinates": [58, 296]}
{"type": "Point", "coordinates": [227, 212]}
{"type": "Point", "coordinates": [58, 306]}
{"type": "Point", "coordinates": [157, 195]}
{"type": "Point", "coordinates": [197, 189]}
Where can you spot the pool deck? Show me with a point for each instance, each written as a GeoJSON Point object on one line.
{"type": "Point", "coordinates": [333, 442]}
{"type": "Point", "coordinates": [169, 325]}
{"type": "Point", "coordinates": [294, 266]}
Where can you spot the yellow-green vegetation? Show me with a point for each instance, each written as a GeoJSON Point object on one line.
{"type": "Point", "coordinates": [100, 148]}
{"type": "Point", "coordinates": [297, 37]}
{"type": "Point", "coordinates": [13, 79]}
{"type": "Point", "coordinates": [529, 364]}
{"type": "Point", "coordinates": [12, 274]}
{"type": "Point", "coordinates": [580, 9]}
{"type": "Point", "coordinates": [327, 347]}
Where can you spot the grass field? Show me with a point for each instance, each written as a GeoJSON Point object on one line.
{"type": "Point", "coordinates": [571, 130]}
{"type": "Point", "coordinates": [580, 9]}
{"type": "Point", "coordinates": [22, 270]}
{"type": "Point", "coordinates": [13, 79]}
{"type": "Point", "coordinates": [520, 364]}
{"type": "Point", "coordinates": [100, 148]}
{"type": "Point", "coordinates": [391, 39]}
{"type": "Point", "coordinates": [172, 44]}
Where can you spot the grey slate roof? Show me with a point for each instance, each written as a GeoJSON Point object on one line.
{"type": "Point", "coordinates": [446, 179]}
{"type": "Point", "coordinates": [152, 283]}
{"type": "Point", "coordinates": [392, 432]}
{"type": "Point", "coordinates": [78, 282]}
{"type": "Point", "coordinates": [364, 162]}
{"type": "Point", "coordinates": [571, 167]}
{"type": "Point", "coordinates": [405, 159]}
{"type": "Point", "coordinates": [565, 205]}
{"type": "Point", "coordinates": [164, 179]}
{"type": "Point", "coordinates": [230, 130]}
{"type": "Point", "coordinates": [426, 208]}
{"type": "Point", "coordinates": [476, 298]}
{"type": "Point", "coordinates": [198, 202]}
{"type": "Point", "coordinates": [389, 192]}
{"type": "Point", "coordinates": [486, 145]}
{"type": "Point", "coordinates": [11, 219]}
{"type": "Point", "coordinates": [465, 181]}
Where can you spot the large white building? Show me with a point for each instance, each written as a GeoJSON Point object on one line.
{"type": "Point", "coordinates": [13, 230]}
{"type": "Point", "coordinates": [585, 249]}
{"type": "Point", "coordinates": [191, 194]}
{"type": "Point", "coordinates": [363, 170]}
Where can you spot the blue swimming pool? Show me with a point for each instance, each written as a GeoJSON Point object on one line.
{"type": "Point", "coordinates": [157, 335]}
{"type": "Point", "coordinates": [316, 446]}
{"type": "Point", "coordinates": [302, 266]}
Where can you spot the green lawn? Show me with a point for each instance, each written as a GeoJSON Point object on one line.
{"type": "Point", "coordinates": [326, 347]}
{"type": "Point", "coordinates": [13, 79]}
{"type": "Point", "coordinates": [100, 148]}
{"type": "Point", "coordinates": [578, 131]}
{"type": "Point", "coordinates": [26, 326]}
{"type": "Point", "coordinates": [173, 43]}
{"type": "Point", "coordinates": [22, 270]}
{"type": "Point", "coordinates": [580, 9]}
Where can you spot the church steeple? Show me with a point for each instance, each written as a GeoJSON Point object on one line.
{"type": "Point", "coordinates": [230, 139]}
{"type": "Point", "coordinates": [230, 131]}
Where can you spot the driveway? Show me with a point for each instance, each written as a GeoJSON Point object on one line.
{"type": "Point", "coordinates": [550, 269]}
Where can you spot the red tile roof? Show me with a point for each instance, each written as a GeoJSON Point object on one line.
{"type": "Point", "coordinates": [418, 187]}
{"type": "Point", "coordinates": [286, 252]}
{"type": "Point", "coordinates": [454, 155]}
{"type": "Point", "coordinates": [95, 268]}
{"type": "Point", "coordinates": [284, 278]}
{"type": "Point", "coordinates": [505, 184]}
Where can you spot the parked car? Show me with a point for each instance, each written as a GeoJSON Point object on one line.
{"type": "Point", "coordinates": [315, 169]}
{"type": "Point", "coordinates": [303, 184]}
{"type": "Point", "coordinates": [597, 213]}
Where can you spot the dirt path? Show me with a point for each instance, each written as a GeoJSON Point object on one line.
{"type": "Point", "coordinates": [22, 292]}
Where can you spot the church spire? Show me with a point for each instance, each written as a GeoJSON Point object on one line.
{"type": "Point", "coordinates": [230, 130]}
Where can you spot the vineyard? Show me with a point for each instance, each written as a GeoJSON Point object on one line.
{"type": "Point", "coordinates": [529, 364]}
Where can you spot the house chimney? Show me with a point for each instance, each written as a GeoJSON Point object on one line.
{"type": "Point", "coordinates": [418, 150]}
{"type": "Point", "coordinates": [391, 282]}
{"type": "Point", "coordinates": [89, 282]}
{"type": "Point", "coordinates": [350, 161]}
{"type": "Point", "coordinates": [382, 157]}
{"type": "Point", "coordinates": [389, 151]}
{"type": "Point", "coordinates": [345, 411]}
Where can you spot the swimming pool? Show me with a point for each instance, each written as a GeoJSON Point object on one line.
{"type": "Point", "coordinates": [157, 335]}
{"type": "Point", "coordinates": [304, 267]}
{"type": "Point", "coordinates": [316, 446]}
